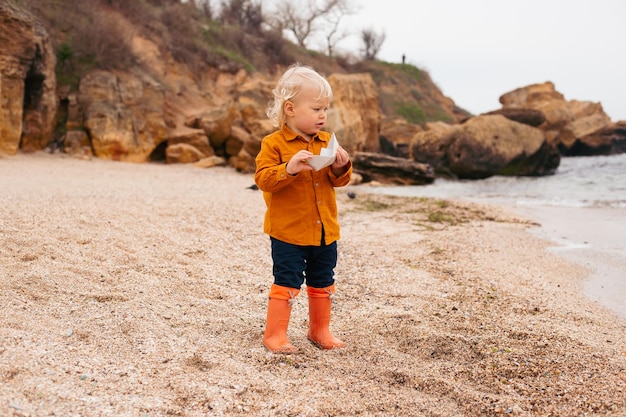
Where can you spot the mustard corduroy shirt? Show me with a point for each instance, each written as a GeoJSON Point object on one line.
{"type": "Point", "coordinates": [298, 205]}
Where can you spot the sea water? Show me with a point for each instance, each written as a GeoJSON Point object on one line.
{"type": "Point", "coordinates": [581, 208]}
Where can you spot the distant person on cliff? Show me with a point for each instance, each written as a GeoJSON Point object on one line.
{"type": "Point", "coordinates": [301, 217]}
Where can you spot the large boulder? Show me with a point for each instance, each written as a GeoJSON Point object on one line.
{"type": "Point", "coordinates": [607, 141]}
{"type": "Point", "coordinates": [183, 153]}
{"type": "Point", "coordinates": [570, 138]}
{"type": "Point", "coordinates": [27, 82]}
{"type": "Point", "coordinates": [396, 135]}
{"type": "Point", "coordinates": [191, 138]}
{"type": "Point", "coordinates": [484, 146]}
{"type": "Point", "coordinates": [494, 145]}
{"type": "Point", "coordinates": [431, 146]}
{"type": "Point", "coordinates": [532, 96]}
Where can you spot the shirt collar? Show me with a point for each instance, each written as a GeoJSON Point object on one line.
{"type": "Point", "coordinates": [291, 135]}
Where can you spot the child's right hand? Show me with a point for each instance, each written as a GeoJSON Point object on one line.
{"type": "Point", "coordinates": [298, 163]}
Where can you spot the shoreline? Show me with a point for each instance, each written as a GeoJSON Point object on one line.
{"type": "Point", "coordinates": [131, 289]}
{"type": "Point", "coordinates": [591, 237]}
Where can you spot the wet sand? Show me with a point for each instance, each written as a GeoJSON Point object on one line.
{"type": "Point", "coordinates": [594, 238]}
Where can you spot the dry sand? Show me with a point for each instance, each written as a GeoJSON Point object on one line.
{"type": "Point", "coordinates": [141, 290]}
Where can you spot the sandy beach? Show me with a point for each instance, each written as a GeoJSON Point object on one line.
{"type": "Point", "coordinates": [141, 290]}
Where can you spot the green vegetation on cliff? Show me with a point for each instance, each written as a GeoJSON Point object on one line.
{"type": "Point", "coordinates": [92, 34]}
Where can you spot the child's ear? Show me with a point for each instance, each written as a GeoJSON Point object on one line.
{"type": "Point", "coordinates": [288, 107]}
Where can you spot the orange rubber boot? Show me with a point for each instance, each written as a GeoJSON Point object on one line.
{"type": "Point", "coordinates": [320, 304]}
{"type": "Point", "coordinates": [278, 313]}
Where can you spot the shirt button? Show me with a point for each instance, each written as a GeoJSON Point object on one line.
{"type": "Point", "coordinates": [282, 175]}
{"type": "Point", "coordinates": [319, 202]}
{"type": "Point", "coordinates": [317, 184]}
{"type": "Point", "coordinates": [318, 222]}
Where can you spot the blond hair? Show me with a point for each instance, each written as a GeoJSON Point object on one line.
{"type": "Point", "coordinates": [290, 85]}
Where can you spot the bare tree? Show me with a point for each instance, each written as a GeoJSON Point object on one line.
{"type": "Point", "coordinates": [244, 13]}
{"type": "Point", "coordinates": [305, 20]}
{"type": "Point", "coordinates": [205, 6]}
{"type": "Point", "coordinates": [334, 32]}
{"type": "Point", "coordinates": [372, 42]}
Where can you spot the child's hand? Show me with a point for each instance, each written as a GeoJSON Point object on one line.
{"type": "Point", "coordinates": [298, 163]}
{"type": "Point", "coordinates": [341, 159]}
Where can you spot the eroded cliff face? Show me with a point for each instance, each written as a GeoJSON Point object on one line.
{"type": "Point", "coordinates": [161, 110]}
{"type": "Point", "coordinates": [158, 110]}
{"type": "Point", "coordinates": [27, 82]}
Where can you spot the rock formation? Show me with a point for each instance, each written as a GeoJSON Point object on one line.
{"type": "Point", "coordinates": [27, 82]}
{"type": "Point", "coordinates": [355, 115]}
{"type": "Point", "coordinates": [123, 115]}
{"type": "Point", "coordinates": [570, 125]}
{"type": "Point", "coordinates": [160, 110]}
{"type": "Point", "coordinates": [485, 146]}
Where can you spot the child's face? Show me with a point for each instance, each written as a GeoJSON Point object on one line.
{"type": "Point", "coordinates": [306, 113]}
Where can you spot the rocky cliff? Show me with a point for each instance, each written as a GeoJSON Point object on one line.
{"type": "Point", "coordinates": [164, 109]}
{"type": "Point", "coordinates": [27, 82]}
{"type": "Point", "coordinates": [161, 109]}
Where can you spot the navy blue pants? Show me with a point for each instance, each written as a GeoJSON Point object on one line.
{"type": "Point", "coordinates": [293, 264]}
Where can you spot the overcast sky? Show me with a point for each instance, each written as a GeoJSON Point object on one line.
{"type": "Point", "coordinates": [477, 50]}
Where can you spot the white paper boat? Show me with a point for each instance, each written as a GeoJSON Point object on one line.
{"type": "Point", "coordinates": [326, 157]}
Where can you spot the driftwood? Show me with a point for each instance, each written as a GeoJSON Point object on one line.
{"type": "Point", "coordinates": [389, 169]}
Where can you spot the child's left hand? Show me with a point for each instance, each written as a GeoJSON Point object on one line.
{"type": "Point", "coordinates": [341, 160]}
